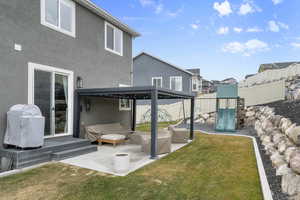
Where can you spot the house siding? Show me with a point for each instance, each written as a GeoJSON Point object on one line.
{"type": "Point", "coordinates": [145, 67]}
{"type": "Point", "coordinates": [85, 55]}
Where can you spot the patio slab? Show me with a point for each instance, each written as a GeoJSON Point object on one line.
{"type": "Point", "coordinates": [102, 160]}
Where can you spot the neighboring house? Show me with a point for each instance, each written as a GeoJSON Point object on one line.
{"type": "Point", "coordinates": [196, 81]}
{"type": "Point", "coordinates": [270, 66]}
{"type": "Point", "coordinates": [48, 48]}
{"type": "Point", "coordinates": [229, 81]}
{"type": "Point", "coordinates": [151, 70]}
{"type": "Point", "coordinates": [206, 86]}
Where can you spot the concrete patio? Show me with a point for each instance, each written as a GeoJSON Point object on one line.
{"type": "Point", "coordinates": [102, 160]}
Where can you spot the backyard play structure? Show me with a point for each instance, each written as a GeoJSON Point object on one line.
{"type": "Point", "coordinates": [228, 108]}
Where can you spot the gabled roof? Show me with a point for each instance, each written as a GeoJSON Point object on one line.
{"type": "Point", "coordinates": [161, 60]}
{"type": "Point", "coordinates": [107, 16]}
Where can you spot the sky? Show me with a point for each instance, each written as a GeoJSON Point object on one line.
{"type": "Point", "coordinates": [224, 38]}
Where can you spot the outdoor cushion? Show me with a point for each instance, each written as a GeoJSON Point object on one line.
{"type": "Point", "coordinates": [113, 137]}
{"type": "Point", "coordinates": [94, 132]}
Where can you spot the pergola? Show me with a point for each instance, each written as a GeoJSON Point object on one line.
{"type": "Point", "coordinates": [134, 93]}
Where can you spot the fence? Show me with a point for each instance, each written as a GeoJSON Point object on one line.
{"type": "Point", "coordinates": [271, 76]}
{"type": "Point", "coordinates": [206, 103]}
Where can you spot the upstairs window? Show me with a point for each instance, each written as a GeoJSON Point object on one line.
{"type": "Point", "coordinates": [113, 39]}
{"type": "Point", "coordinates": [59, 15]}
{"type": "Point", "coordinates": [157, 81]}
{"type": "Point", "coordinates": [195, 85]}
{"type": "Point", "coordinates": [176, 83]}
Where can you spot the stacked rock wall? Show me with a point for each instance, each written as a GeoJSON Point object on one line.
{"type": "Point", "coordinates": [281, 140]}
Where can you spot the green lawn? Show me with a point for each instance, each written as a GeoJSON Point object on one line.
{"type": "Point", "coordinates": [210, 168]}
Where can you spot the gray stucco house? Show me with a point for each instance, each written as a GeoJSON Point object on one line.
{"type": "Point", "coordinates": [151, 70]}
{"type": "Point", "coordinates": [48, 48]}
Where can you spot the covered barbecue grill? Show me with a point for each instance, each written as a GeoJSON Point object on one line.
{"type": "Point", "coordinates": [25, 127]}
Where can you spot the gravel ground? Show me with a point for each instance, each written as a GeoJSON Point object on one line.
{"type": "Point", "coordinates": [288, 109]}
{"type": "Point", "coordinates": [274, 181]}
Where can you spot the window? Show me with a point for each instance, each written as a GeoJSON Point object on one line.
{"type": "Point", "coordinates": [176, 83]}
{"type": "Point", "coordinates": [195, 84]}
{"type": "Point", "coordinates": [157, 81]}
{"type": "Point", "coordinates": [124, 104]}
{"type": "Point", "coordinates": [59, 15]}
{"type": "Point", "coordinates": [113, 39]}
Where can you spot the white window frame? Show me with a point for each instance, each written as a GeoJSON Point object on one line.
{"type": "Point", "coordinates": [157, 78]}
{"type": "Point", "coordinates": [58, 28]}
{"type": "Point", "coordinates": [124, 108]}
{"type": "Point", "coordinates": [105, 37]}
{"type": "Point", "coordinates": [176, 77]}
{"type": "Point", "coordinates": [34, 66]}
{"type": "Point", "coordinates": [197, 84]}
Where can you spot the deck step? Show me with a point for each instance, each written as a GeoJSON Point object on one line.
{"type": "Point", "coordinates": [35, 161]}
{"type": "Point", "coordinates": [73, 152]}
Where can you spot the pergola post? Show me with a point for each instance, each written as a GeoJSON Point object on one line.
{"type": "Point", "coordinates": [76, 123]}
{"type": "Point", "coordinates": [154, 97]}
{"type": "Point", "coordinates": [133, 125]}
{"type": "Point", "coordinates": [192, 119]}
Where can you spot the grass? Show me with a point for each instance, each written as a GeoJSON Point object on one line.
{"type": "Point", "coordinates": [146, 127]}
{"type": "Point", "coordinates": [210, 168]}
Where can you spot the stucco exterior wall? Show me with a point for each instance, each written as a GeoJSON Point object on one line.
{"type": "Point", "coordinates": [84, 55]}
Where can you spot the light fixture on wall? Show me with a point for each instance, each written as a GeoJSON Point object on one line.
{"type": "Point", "coordinates": [79, 82]}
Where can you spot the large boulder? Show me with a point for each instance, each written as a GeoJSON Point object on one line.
{"type": "Point", "coordinates": [276, 120]}
{"type": "Point", "coordinates": [295, 161]}
{"type": "Point", "coordinates": [285, 124]}
{"type": "Point", "coordinates": [277, 137]}
{"type": "Point", "coordinates": [294, 134]}
{"type": "Point", "coordinates": [282, 146]}
{"type": "Point", "coordinates": [288, 152]}
{"type": "Point", "coordinates": [290, 184]}
{"type": "Point", "coordinates": [277, 160]}
{"type": "Point", "coordinates": [283, 170]}
{"type": "Point", "coordinates": [250, 114]}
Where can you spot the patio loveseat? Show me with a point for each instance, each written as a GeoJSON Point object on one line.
{"type": "Point", "coordinates": [179, 135]}
{"type": "Point", "coordinates": [95, 132]}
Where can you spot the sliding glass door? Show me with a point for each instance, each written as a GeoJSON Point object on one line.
{"type": "Point", "coordinates": [52, 94]}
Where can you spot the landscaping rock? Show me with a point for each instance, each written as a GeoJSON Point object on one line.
{"type": "Point", "coordinates": [285, 124]}
{"type": "Point", "coordinates": [290, 183]}
{"type": "Point", "coordinates": [282, 147]}
{"type": "Point", "coordinates": [277, 160]}
{"type": "Point", "coordinates": [288, 152]}
{"type": "Point", "coordinates": [295, 161]}
{"type": "Point", "coordinates": [294, 134]}
{"type": "Point", "coordinates": [283, 170]}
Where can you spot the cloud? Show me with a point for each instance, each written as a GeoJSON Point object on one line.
{"type": "Point", "coordinates": [276, 26]}
{"type": "Point", "coordinates": [237, 29]}
{"type": "Point", "coordinates": [246, 9]}
{"type": "Point", "coordinates": [146, 3]}
{"type": "Point", "coordinates": [159, 8]}
{"type": "Point", "coordinates": [275, 2]}
{"type": "Point", "coordinates": [295, 45]}
{"type": "Point", "coordinates": [175, 13]}
{"type": "Point", "coordinates": [246, 49]}
{"type": "Point", "coordinates": [223, 30]}
{"type": "Point", "coordinates": [254, 30]}
{"type": "Point", "coordinates": [195, 26]}
{"type": "Point", "coordinates": [224, 8]}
